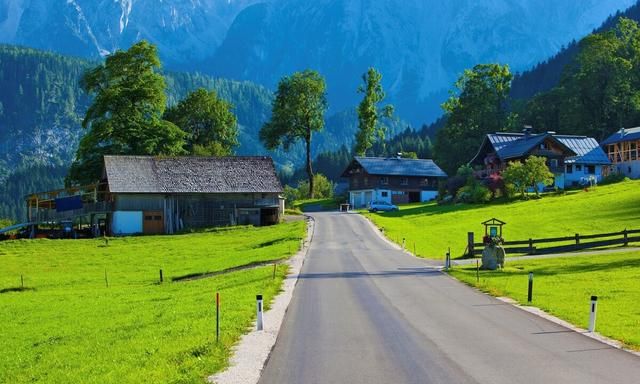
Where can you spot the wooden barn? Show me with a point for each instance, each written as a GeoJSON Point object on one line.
{"type": "Point", "coordinates": [155, 195]}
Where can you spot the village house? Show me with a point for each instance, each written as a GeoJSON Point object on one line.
{"type": "Point", "coordinates": [623, 149]}
{"type": "Point", "coordinates": [574, 160]}
{"type": "Point", "coordinates": [393, 180]}
{"type": "Point", "coordinates": [163, 195]}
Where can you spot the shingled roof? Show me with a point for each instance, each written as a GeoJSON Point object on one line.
{"type": "Point", "coordinates": [400, 167]}
{"type": "Point", "coordinates": [149, 174]}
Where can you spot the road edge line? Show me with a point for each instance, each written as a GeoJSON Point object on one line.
{"type": "Point", "coordinates": [250, 355]}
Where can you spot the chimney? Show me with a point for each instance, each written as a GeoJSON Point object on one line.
{"type": "Point", "coordinates": [527, 131]}
{"type": "Point", "coordinates": [622, 132]}
{"type": "Point", "coordinates": [551, 132]}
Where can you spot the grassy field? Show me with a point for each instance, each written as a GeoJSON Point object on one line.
{"type": "Point", "coordinates": [433, 228]}
{"type": "Point", "coordinates": [315, 204]}
{"type": "Point", "coordinates": [563, 287]}
{"type": "Point", "coordinates": [69, 327]}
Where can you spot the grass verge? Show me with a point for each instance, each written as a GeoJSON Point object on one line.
{"type": "Point", "coordinates": [563, 287]}
{"type": "Point", "coordinates": [435, 227]}
{"type": "Point", "coordinates": [68, 326]}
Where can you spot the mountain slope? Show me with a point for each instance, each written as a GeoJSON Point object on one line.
{"type": "Point", "coordinates": [185, 31]}
{"type": "Point", "coordinates": [545, 75]}
{"type": "Point", "coordinates": [420, 47]}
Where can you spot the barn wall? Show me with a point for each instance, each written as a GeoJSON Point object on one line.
{"type": "Point", "coordinates": [183, 211]}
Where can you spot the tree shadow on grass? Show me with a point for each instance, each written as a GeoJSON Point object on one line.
{"type": "Point", "coordinates": [16, 289]}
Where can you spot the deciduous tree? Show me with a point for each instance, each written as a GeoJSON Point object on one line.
{"type": "Point", "coordinates": [298, 111]}
{"type": "Point", "coordinates": [211, 127]}
{"type": "Point", "coordinates": [476, 107]}
{"type": "Point", "coordinates": [126, 115]}
{"type": "Point", "coordinates": [370, 128]}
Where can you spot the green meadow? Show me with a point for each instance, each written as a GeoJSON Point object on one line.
{"type": "Point", "coordinates": [433, 228]}
{"type": "Point", "coordinates": [563, 287]}
{"type": "Point", "coordinates": [97, 313]}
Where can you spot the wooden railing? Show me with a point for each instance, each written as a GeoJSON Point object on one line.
{"type": "Point", "coordinates": [46, 215]}
{"type": "Point", "coordinates": [576, 243]}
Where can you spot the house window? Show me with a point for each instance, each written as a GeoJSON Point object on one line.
{"type": "Point", "coordinates": [366, 181]}
{"type": "Point", "coordinates": [384, 194]}
{"type": "Point", "coordinates": [569, 168]}
{"type": "Point", "coordinates": [355, 183]}
{"type": "Point", "coordinates": [384, 180]}
{"type": "Point", "coordinates": [578, 168]}
{"type": "Point", "coordinates": [553, 163]}
{"type": "Point", "coordinates": [404, 181]}
{"type": "Point", "coordinates": [591, 169]}
{"type": "Point", "coordinates": [544, 146]}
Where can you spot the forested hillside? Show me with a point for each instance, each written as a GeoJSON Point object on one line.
{"type": "Point", "coordinates": [546, 75]}
{"type": "Point", "coordinates": [42, 106]}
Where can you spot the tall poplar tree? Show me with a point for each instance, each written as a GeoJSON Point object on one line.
{"type": "Point", "coordinates": [298, 111]}
{"type": "Point", "coordinates": [126, 115]}
{"type": "Point", "coordinates": [370, 128]}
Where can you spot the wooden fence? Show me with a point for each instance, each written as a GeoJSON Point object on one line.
{"type": "Point", "coordinates": [577, 243]}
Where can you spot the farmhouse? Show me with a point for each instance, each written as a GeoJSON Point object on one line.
{"type": "Point", "coordinates": [154, 195]}
{"type": "Point", "coordinates": [574, 160]}
{"type": "Point", "coordinates": [394, 180]}
{"type": "Point", "coordinates": [623, 149]}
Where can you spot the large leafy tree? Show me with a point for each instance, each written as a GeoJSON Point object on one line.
{"type": "Point", "coordinates": [211, 127]}
{"type": "Point", "coordinates": [126, 115]}
{"type": "Point", "coordinates": [369, 127]}
{"type": "Point", "coordinates": [476, 107]}
{"type": "Point", "coordinates": [600, 91]}
{"type": "Point", "coordinates": [298, 111]}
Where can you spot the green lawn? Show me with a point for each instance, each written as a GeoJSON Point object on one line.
{"type": "Point", "coordinates": [434, 228]}
{"type": "Point", "coordinates": [563, 287]}
{"type": "Point", "coordinates": [69, 327]}
{"type": "Point", "coordinates": [325, 204]}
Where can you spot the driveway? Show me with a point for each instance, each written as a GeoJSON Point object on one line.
{"type": "Point", "coordinates": [365, 312]}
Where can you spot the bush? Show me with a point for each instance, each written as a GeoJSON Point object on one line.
{"type": "Point", "coordinates": [323, 190]}
{"type": "Point", "coordinates": [613, 178]}
{"type": "Point", "coordinates": [474, 193]}
{"type": "Point", "coordinates": [323, 187]}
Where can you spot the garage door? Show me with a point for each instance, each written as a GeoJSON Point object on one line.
{"type": "Point", "coordinates": [153, 222]}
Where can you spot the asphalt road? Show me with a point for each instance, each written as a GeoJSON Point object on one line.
{"type": "Point", "coordinates": [364, 312]}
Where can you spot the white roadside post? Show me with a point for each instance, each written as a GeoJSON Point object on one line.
{"type": "Point", "coordinates": [592, 316]}
{"type": "Point", "coordinates": [259, 321]}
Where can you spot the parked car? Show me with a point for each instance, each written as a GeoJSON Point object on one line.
{"type": "Point", "coordinates": [376, 206]}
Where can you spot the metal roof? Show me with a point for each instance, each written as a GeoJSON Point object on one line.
{"type": "Point", "coordinates": [149, 174]}
{"type": "Point", "coordinates": [587, 150]}
{"type": "Point", "coordinates": [511, 145]}
{"type": "Point", "coordinates": [400, 167]}
{"type": "Point", "coordinates": [629, 134]}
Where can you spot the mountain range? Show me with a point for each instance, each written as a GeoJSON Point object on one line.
{"type": "Point", "coordinates": [420, 46]}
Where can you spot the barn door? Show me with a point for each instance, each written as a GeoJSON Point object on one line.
{"type": "Point", "coordinates": [153, 222]}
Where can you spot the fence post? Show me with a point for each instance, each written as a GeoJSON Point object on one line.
{"type": "Point", "coordinates": [259, 318]}
{"type": "Point", "coordinates": [592, 314]}
{"type": "Point", "coordinates": [530, 289]}
{"type": "Point", "coordinates": [217, 316]}
{"type": "Point", "coordinates": [626, 237]}
{"type": "Point", "coordinates": [470, 244]}
{"type": "Point", "coordinates": [577, 238]}
{"type": "Point", "coordinates": [531, 246]}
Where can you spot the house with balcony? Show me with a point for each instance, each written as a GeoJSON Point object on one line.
{"type": "Point", "coordinates": [623, 150]}
{"type": "Point", "coordinates": [163, 195]}
{"type": "Point", "coordinates": [574, 160]}
{"type": "Point", "coordinates": [394, 180]}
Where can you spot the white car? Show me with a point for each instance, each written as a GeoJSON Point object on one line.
{"type": "Point", "coordinates": [376, 206]}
